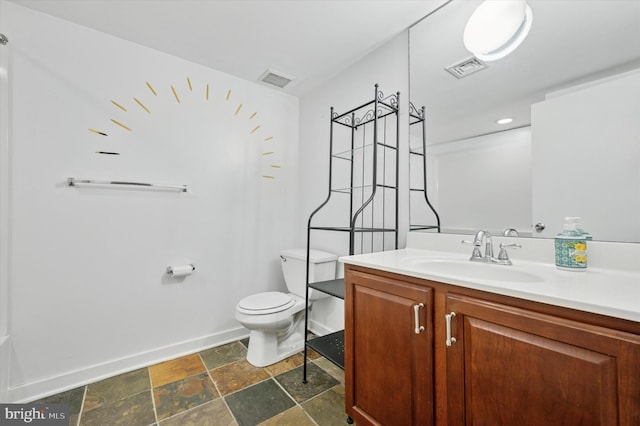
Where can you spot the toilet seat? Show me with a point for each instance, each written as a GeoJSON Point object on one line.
{"type": "Point", "coordinates": [265, 303]}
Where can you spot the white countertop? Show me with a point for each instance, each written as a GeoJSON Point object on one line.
{"type": "Point", "coordinates": [612, 292]}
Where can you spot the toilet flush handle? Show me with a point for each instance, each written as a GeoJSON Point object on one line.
{"type": "Point", "coordinates": [284, 259]}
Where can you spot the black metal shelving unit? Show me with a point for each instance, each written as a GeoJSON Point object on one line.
{"type": "Point", "coordinates": [370, 149]}
{"type": "Point", "coordinates": [331, 346]}
{"type": "Point", "coordinates": [417, 117]}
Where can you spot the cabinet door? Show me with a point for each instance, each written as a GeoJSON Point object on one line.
{"type": "Point", "coordinates": [388, 351]}
{"type": "Point", "coordinates": [510, 366]}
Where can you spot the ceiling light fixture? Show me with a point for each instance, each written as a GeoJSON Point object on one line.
{"type": "Point", "coordinates": [497, 27]}
{"type": "Point", "coordinates": [505, 120]}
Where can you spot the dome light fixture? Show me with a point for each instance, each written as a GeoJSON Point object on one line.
{"type": "Point", "coordinates": [497, 27]}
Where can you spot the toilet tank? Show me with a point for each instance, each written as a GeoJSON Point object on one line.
{"type": "Point", "coordinates": [322, 267]}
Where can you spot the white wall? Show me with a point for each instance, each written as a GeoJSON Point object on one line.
{"type": "Point", "coordinates": [5, 341]}
{"type": "Point", "coordinates": [89, 293]}
{"type": "Point", "coordinates": [483, 182]}
{"type": "Point", "coordinates": [388, 66]}
{"type": "Point", "coordinates": [585, 158]}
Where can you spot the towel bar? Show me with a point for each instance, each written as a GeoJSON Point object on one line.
{"type": "Point", "coordinates": [73, 182]}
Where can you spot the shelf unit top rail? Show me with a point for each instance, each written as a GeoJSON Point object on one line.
{"type": "Point", "coordinates": [365, 118]}
{"type": "Point", "coordinates": [363, 114]}
{"type": "Point", "coordinates": [391, 102]}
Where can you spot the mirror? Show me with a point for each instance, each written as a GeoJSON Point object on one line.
{"type": "Point", "coordinates": [572, 89]}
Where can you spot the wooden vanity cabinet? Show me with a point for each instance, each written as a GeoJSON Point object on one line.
{"type": "Point", "coordinates": [510, 361]}
{"type": "Point", "coordinates": [511, 366]}
{"type": "Point", "coordinates": [388, 351]}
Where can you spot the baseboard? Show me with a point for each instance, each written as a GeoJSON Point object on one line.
{"type": "Point", "coordinates": [73, 379]}
{"type": "Point", "coordinates": [319, 329]}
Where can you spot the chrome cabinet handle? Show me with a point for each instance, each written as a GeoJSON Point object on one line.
{"type": "Point", "coordinates": [419, 328]}
{"type": "Point", "coordinates": [450, 340]}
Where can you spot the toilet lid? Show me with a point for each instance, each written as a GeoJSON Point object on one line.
{"type": "Point", "coordinates": [266, 303]}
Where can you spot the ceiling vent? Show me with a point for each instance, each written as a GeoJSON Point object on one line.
{"type": "Point", "coordinates": [275, 78]}
{"type": "Point", "coordinates": [466, 67]}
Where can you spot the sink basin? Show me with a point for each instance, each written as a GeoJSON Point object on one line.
{"type": "Point", "coordinates": [470, 270]}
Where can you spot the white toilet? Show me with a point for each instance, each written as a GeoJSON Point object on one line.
{"type": "Point", "coordinates": [276, 319]}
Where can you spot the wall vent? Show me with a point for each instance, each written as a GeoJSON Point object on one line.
{"type": "Point", "coordinates": [466, 67]}
{"type": "Point", "coordinates": [275, 78]}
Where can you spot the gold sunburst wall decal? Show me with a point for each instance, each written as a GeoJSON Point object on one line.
{"type": "Point", "coordinates": [129, 116]}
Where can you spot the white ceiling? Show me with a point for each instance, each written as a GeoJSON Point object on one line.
{"type": "Point", "coordinates": [311, 40]}
{"type": "Point", "coordinates": [570, 42]}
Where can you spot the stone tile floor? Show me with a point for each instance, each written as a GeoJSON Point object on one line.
{"type": "Point", "coordinates": [214, 387]}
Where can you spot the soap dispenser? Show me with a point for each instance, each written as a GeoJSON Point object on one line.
{"type": "Point", "coordinates": [571, 246]}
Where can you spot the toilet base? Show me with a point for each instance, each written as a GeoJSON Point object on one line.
{"type": "Point", "coordinates": [266, 348]}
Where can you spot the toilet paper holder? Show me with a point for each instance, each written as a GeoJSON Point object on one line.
{"type": "Point", "coordinates": [170, 269]}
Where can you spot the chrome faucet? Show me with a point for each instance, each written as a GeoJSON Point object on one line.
{"type": "Point", "coordinates": [476, 255]}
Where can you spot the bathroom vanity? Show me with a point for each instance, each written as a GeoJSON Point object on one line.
{"type": "Point", "coordinates": [431, 340]}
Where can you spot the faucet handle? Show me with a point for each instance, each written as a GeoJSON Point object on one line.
{"type": "Point", "coordinates": [476, 248]}
{"type": "Point", "coordinates": [503, 255]}
{"type": "Point", "coordinates": [512, 245]}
